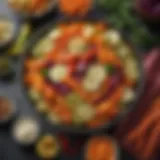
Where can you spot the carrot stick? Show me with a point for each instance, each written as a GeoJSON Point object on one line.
{"type": "Point", "coordinates": [73, 84]}
{"type": "Point", "coordinates": [106, 55]}
{"type": "Point", "coordinates": [110, 105]}
{"type": "Point", "coordinates": [153, 143]}
{"type": "Point", "coordinates": [144, 126]}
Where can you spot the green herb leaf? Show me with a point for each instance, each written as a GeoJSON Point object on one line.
{"type": "Point", "coordinates": [110, 68]}
{"type": "Point", "coordinates": [44, 72]}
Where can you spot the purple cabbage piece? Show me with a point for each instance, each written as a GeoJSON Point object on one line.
{"type": "Point", "coordinates": [82, 67]}
{"type": "Point", "coordinates": [62, 89]}
{"type": "Point", "coordinates": [80, 70]}
{"type": "Point", "coordinates": [149, 8]}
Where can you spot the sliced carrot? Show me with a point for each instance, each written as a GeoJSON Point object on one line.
{"type": "Point", "coordinates": [109, 106]}
{"type": "Point", "coordinates": [106, 55]}
{"type": "Point", "coordinates": [49, 93]}
{"type": "Point", "coordinates": [34, 64]}
{"type": "Point", "coordinates": [100, 26]}
{"type": "Point", "coordinates": [64, 113]}
{"type": "Point", "coordinates": [77, 87]}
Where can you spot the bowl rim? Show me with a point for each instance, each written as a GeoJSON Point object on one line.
{"type": "Point", "coordinates": [72, 129]}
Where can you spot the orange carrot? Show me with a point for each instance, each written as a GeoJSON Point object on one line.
{"type": "Point", "coordinates": [106, 55]}
{"type": "Point", "coordinates": [150, 118]}
{"type": "Point", "coordinates": [73, 84]}
{"type": "Point", "coordinates": [110, 105]}
{"type": "Point", "coordinates": [37, 5]}
{"type": "Point", "coordinates": [65, 114]}
{"type": "Point", "coordinates": [34, 64]}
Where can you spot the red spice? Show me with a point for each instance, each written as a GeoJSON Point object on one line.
{"type": "Point", "coordinates": [5, 108]}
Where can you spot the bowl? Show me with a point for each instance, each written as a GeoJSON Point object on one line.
{"type": "Point", "coordinates": [52, 5]}
{"type": "Point", "coordinates": [20, 132]}
{"type": "Point", "coordinates": [16, 27]}
{"type": "Point", "coordinates": [115, 147]}
{"type": "Point", "coordinates": [13, 111]}
{"type": "Point", "coordinates": [81, 130]}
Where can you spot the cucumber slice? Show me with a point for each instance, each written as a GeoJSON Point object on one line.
{"type": "Point", "coordinates": [113, 37]}
{"type": "Point", "coordinates": [129, 96]}
{"type": "Point", "coordinates": [77, 46]}
{"type": "Point", "coordinates": [83, 113]}
{"type": "Point", "coordinates": [58, 72]}
{"type": "Point", "coordinates": [42, 106]}
{"type": "Point", "coordinates": [88, 31]}
{"type": "Point", "coordinates": [43, 47]}
{"type": "Point", "coordinates": [131, 69]}
{"type": "Point", "coordinates": [73, 100]}
{"type": "Point", "coordinates": [18, 46]}
{"type": "Point", "coordinates": [34, 95]}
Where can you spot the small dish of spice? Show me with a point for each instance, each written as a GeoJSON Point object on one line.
{"type": "Point", "coordinates": [48, 147]}
{"type": "Point", "coordinates": [101, 147]}
{"type": "Point", "coordinates": [26, 131]}
{"type": "Point", "coordinates": [7, 109]}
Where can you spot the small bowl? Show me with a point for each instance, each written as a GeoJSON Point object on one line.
{"type": "Point", "coordinates": [116, 147]}
{"type": "Point", "coordinates": [18, 121]}
{"type": "Point", "coordinates": [13, 112]}
{"type": "Point", "coordinates": [16, 27]}
{"type": "Point", "coordinates": [56, 140]}
{"type": "Point", "coordinates": [6, 70]}
{"type": "Point", "coordinates": [51, 7]}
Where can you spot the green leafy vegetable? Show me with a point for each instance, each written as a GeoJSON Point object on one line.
{"type": "Point", "coordinates": [123, 16]}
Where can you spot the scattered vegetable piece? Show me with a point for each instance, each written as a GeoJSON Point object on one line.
{"type": "Point", "coordinates": [26, 131]}
{"type": "Point", "coordinates": [6, 30]}
{"type": "Point", "coordinates": [18, 46]}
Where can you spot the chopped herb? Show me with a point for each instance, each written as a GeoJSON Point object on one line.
{"type": "Point", "coordinates": [110, 69]}
{"type": "Point", "coordinates": [122, 15]}
{"type": "Point", "coordinates": [44, 72]}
